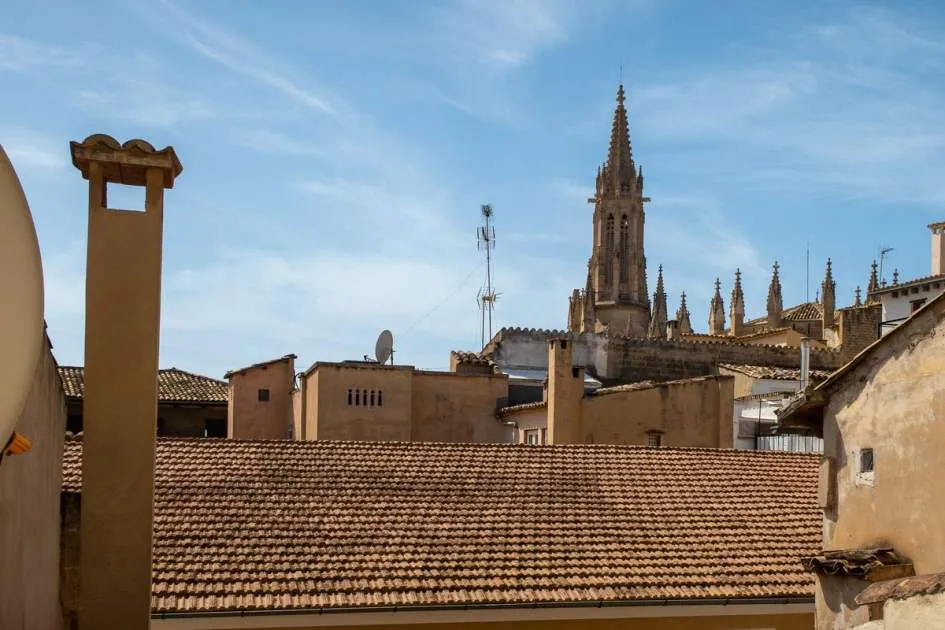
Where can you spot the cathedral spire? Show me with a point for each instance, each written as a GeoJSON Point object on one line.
{"type": "Point", "coordinates": [619, 172]}
{"type": "Point", "coordinates": [828, 296]}
{"type": "Point", "coordinates": [873, 286]}
{"type": "Point", "coordinates": [682, 316]}
{"type": "Point", "coordinates": [657, 329]}
{"type": "Point", "coordinates": [856, 298]}
{"type": "Point", "coordinates": [737, 306]}
{"type": "Point", "coordinates": [775, 303]}
{"type": "Point", "coordinates": [717, 311]}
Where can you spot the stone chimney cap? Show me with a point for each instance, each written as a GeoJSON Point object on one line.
{"type": "Point", "coordinates": [125, 163]}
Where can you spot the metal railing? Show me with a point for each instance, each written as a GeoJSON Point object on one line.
{"type": "Point", "coordinates": [791, 442]}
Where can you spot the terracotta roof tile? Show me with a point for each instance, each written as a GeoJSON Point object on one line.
{"type": "Point", "coordinates": [173, 386]}
{"type": "Point", "coordinates": [774, 373]}
{"type": "Point", "coordinates": [282, 525]}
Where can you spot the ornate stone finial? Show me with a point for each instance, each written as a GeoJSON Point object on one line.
{"type": "Point", "coordinates": [682, 316]}
{"type": "Point", "coordinates": [856, 297]}
{"type": "Point", "coordinates": [717, 311]}
{"type": "Point", "coordinates": [775, 302]}
{"type": "Point", "coordinates": [828, 296]}
{"type": "Point", "coordinates": [874, 281]}
{"type": "Point", "coordinates": [657, 328]}
{"type": "Point", "coordinates": [737, 305]}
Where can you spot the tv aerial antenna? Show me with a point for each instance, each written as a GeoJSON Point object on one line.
{"type": "Point", "coordinates": [384, 348]}
{"type": "Point", "coordinates": [882, 257]}
{"type": "Point", "coordinates": [487, 296]}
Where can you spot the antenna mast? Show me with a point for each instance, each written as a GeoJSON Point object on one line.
{"type": "Point", "coordinates": [487, 295]}
{"type": "Point", "coordinates": [882, 257]}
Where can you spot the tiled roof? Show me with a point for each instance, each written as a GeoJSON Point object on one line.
{"type": "Point", "coordinates": [775, 373]}
{"type": "Point", "coordinates": [856, 562]}
{"type": "Point", "coordinates": [801, 312]}
{"type": "Point", "coordinates": [242, 525]}
{"type": "Point", "coordinates": [473, 358]}
{"type": "Point", "coordinates": [173, 386]}
{"type": "Point", "coordinates": [804, 312]}
{"type": "Point", "coordinates": [286, 357]}
{"type": "Point", "coordinates": [502, 412]}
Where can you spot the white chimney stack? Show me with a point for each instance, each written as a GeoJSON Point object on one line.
{"type": "Point", "coordinates": [938, 248]}
{"type": "Point", "coordinates": [805, 363]}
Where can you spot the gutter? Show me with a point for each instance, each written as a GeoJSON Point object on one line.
{"type": "Point", "coordinates": [323, 610]}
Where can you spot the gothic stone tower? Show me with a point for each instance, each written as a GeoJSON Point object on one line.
{"type": "Point", "coordinates": [616, 297]}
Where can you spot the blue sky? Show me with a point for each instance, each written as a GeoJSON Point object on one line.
{"type": "Point", "coordinates": [336, 154]}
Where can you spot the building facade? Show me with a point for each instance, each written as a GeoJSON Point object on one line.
{"type": "Point", "coordinates": [260, 400]}
{"type": "Point", "coordinates": [693, 412]}
{"type": "Point", "coordinates": [881, 418]}
{"type": "Point", "coordinates": [189, 405]}
{"type": "Point", "coordinates": [900, 299]}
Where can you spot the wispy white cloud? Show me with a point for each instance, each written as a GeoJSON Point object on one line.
{"type": "Point", "coordinates": [240, 56]}
{"type": "Point", "coordinates": [20, 54]}
{"type": "Point", "coordinates": [32, 149]}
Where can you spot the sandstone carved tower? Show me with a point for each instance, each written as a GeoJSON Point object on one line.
{"type": "Point", "coordinates": [615, 298]}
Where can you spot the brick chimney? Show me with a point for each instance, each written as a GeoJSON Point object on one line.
{"type": "Point", "coordinates": [565, 393]}
{"type": "Point", "coordinates": [938, 248]}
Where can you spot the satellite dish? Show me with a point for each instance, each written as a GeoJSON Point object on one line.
{"type": "Point", "coordinates": [384, 347]}
{"type": "Point", "coordinates": [21, 309]}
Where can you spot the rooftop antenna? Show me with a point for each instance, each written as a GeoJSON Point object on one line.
{"type": "Point", "coordinates": [487, 295]}
{"type": "Point", "coordinates": [384, 348]}
{"type": "Point", "coordinates": [807, 285]}
{"type": "Point", "coordinates": [882, 256]}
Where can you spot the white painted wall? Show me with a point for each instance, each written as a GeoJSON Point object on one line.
{"type": "Point", "coordinates": [901, 306]}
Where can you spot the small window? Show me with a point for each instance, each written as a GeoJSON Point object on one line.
{"type": "Point", "coordinates": [263, 395]}
{"type": "Point", "coordinates": [654, 439]}
{"type": "Point", "coordinates": [575, 372]}
{"type": "Point", "coordinates": [533, 436]}
{"type": "Point", "coordinates": [350, 397]}
{"type": "Point", "coordinates": [357, 398]}
{"type": "Point", "coordinates": [380, 398]}
{"type": "Point", "coordinates": [372, 397]}
{"type": "Point", "coordinates": [916, 304]}
{"type": "Point", "coordinates": [866, 460]}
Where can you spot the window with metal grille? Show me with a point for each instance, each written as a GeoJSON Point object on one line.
{"type": "Point", "coordinates": [654, 438]}
{"type": "Point", "coordinates": [263, 395]}
{"type": "Point", "coordinates": [866, 460]}
{"type": "Point", "coordinates": [533, 436]}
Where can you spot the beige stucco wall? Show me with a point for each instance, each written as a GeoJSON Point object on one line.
{"type": "Point", "coordinates": [448, 407]}
{"type": "Point", "coordinates": [728, 622]}
{"type": "Point", "coordinates": [252, 419]}
{"type": "Point", "coordinates": [417, 405]}
{"type": "Point", "coordinates": [696, 412]}
{"type": "Point", "coordinates": [893, 403]}
{"type": "Point", "coordinates": [30, 484]}
{"type": "Point", "coordinates": [332, 418]}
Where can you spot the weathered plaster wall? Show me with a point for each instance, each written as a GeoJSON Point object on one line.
{"type": "Point", "coordinates": [251, 418]}
{"type": "Point", "coordinates": [894, 403]}
{"type": "Point", "coordinates": [644, 359]}
{"type": "Point", "coordinates": [921, 611]}
{"type": "Point", "coordinates": [417, 405]}
{"type": "Point", "coordinates": [835, 605]}
{"type": "Point", "coordinates": [622, 360]}
{"type": "Point", "coordinates": [694, 413]}
{"type": "Point", "coordinates": [451, 407]}
{"type": "Point", "coordinates": [529, 349]}
{"type": "Point", "coordinates": [30, 484]}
